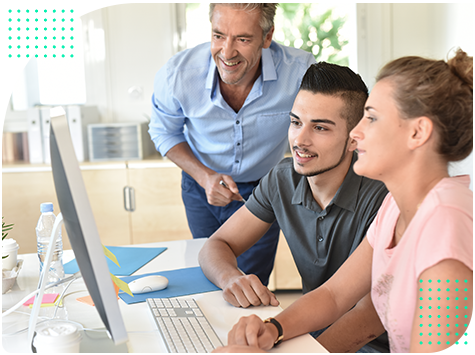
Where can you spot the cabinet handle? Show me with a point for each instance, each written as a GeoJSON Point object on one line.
{"type": "Point", "coordinates": [129, 199]}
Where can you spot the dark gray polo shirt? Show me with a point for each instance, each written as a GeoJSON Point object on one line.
{"type": "Point", "coordinates": [320, 241]}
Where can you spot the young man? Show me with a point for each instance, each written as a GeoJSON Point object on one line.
{"type": "Point", "coordinates": [222, 116]}
{"type": "Point", "coordinates": [321, 205]}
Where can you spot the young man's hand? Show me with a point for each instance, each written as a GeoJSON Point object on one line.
{"type": "Point", "coordinates": [247, 290]}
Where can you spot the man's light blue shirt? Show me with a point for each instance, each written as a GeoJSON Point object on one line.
{"type": "Point", "coordinates": [188, 106]}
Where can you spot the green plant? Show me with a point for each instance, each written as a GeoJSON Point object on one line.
{"type": "Point", "coordinates": [318, 33]}
{"type": "Point", "coordinates": [5, 229]}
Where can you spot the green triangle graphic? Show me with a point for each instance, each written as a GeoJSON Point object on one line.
{"type": "Point", "coordinates": [459, 343]}
{"type": "Point", "coordinates": [34, 25]}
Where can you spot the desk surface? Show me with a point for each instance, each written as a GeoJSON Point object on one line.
{"type": "Point", "coordinates": [143, 334]}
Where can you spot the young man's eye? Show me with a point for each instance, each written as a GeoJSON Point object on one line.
{"type": "Point", "coordinates": [294, 122]}
{"type": "Point", "coordinates": [320, 128]}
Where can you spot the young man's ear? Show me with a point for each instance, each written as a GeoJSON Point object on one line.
{"type": "Point", "coordinates": [421, 131]}
{"type": "Point", "coordinates": [352, 144]}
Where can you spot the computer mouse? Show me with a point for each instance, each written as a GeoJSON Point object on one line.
{"type": "Point", "coordinates": [148, 284]}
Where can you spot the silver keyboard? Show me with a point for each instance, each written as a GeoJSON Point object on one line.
{"type": "Point", "coordinates": [183, 326]}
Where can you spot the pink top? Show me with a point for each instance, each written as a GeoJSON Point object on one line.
{"type": "Point", "coordinates": [441, 229]}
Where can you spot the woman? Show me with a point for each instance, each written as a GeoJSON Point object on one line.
{"type": "Point", "coordinates": [417, 258]}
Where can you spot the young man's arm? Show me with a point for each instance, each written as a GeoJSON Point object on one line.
{"type": "Point", "coordinates": [218, 260]}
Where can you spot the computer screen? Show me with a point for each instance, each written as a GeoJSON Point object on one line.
{"type": "Point", "coordinates": [81, 226]}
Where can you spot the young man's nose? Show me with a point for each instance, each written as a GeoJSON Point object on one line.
{"type": "Point", "coordinates": [302, 138]}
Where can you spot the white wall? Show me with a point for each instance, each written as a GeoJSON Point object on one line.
{"type": "Point", "coordinates": [137, 40]}
{"type": "Point", "coordinates": [389, 31]}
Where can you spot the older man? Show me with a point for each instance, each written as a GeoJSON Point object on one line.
{"type": "Point", "coordinates": [220, 112]}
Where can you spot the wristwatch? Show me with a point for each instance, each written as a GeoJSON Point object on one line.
{"type": "Point", "coordinates": [280, 336]}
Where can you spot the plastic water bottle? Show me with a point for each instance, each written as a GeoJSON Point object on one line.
{"type": "Point", "coordinates": [43, 235]}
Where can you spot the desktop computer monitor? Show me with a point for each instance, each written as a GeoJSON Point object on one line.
{"type": "Point", "coordinates": [81, 226]}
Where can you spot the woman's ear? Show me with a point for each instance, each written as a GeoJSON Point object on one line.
{"type": "Point", "coordinates": [421, 131]}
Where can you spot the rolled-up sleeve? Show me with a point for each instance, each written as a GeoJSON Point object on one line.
{"type": "Point", "coordinates": [167, 119]}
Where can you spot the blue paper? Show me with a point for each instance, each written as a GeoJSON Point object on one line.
{"type": "Point", "coordinates": [181, 282]}
{"type": "Point", "coordinates": [130, 260]}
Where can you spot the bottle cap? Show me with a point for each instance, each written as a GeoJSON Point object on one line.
{"type": "Point", "coordinates": [9, 245]}
{"type": "Point", "coordinates": [46, 207]}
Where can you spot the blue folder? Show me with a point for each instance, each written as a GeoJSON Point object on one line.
{"type": "Point", "coordinates": [130, 260]}
{"type": "Point", "coordinates": [181, 282]}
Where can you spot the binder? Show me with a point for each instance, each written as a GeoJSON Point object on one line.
{"type": "Point", "coordinates": [35, 138]}
{"type": "Point", "coordinates": [78, 119]}
{"type": "Point", "coordinates": [45, 124]}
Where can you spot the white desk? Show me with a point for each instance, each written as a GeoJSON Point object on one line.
{"type": "Point", "coordinates": [142, 331]}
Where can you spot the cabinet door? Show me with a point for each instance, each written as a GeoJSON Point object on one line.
{"type": "Point", "coordinates": [22, 194]}
{"type": "Point", "coordinates": [105, 191]}
{"type": "Point", "coordinates": [287, 276]}
{"type": "Point", "coordinates": [159, 211]}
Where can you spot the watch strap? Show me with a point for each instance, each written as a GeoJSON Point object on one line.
{"type": "Point", "coordinates": [280, 336]}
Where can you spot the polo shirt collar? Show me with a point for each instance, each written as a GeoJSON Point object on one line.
{"type": "Point", "coordinates": [268, 69]}
{"type": "Point", "coordinates": [346, 197]}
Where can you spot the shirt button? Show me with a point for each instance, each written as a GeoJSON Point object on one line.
{"type": "Point", "coordinates": [239, 144]}
{"type": "Point", "coordinates": [237, 161]}
{"type": "Point", "coordinates": [321, 218]}
{"type": "Point", "coordinates": [237, 122]}
{"type": "Point", "coordinates": [320, 239]}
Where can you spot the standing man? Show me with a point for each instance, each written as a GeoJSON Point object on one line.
{"type": "Point", "coordinates": [322, 206]}
{"type": "Point", "coordinates": [222, 117]}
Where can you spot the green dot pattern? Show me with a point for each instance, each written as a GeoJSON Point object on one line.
{"type": "Point", "coordinates": [47, 50]}
{"type": "Point", "coordinates": [454, 326]}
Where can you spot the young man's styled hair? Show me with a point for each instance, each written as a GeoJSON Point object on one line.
{"type": "Point", "coordinates": [335, 80]}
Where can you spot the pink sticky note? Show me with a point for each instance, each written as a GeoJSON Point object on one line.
{"type": "Point", "coordinates": [47, 298]}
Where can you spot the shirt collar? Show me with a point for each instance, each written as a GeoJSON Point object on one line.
{"type": "Point", "coordinates": [346, 197]}
{"type": "Point", "coordinates": [268, 69]}
{"type": "Point", "coordinates": [212, 73]}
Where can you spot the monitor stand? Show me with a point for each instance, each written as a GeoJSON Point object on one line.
{"type": "Point", "coordinates": [99, 342]}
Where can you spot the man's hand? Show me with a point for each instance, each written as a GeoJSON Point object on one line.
{"type": "Point", "coordinates": [252, 331]}
{"type": "Point", "coordinates": [246, 290]}
{"type": "Point", "coordinates": [217, 194]}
